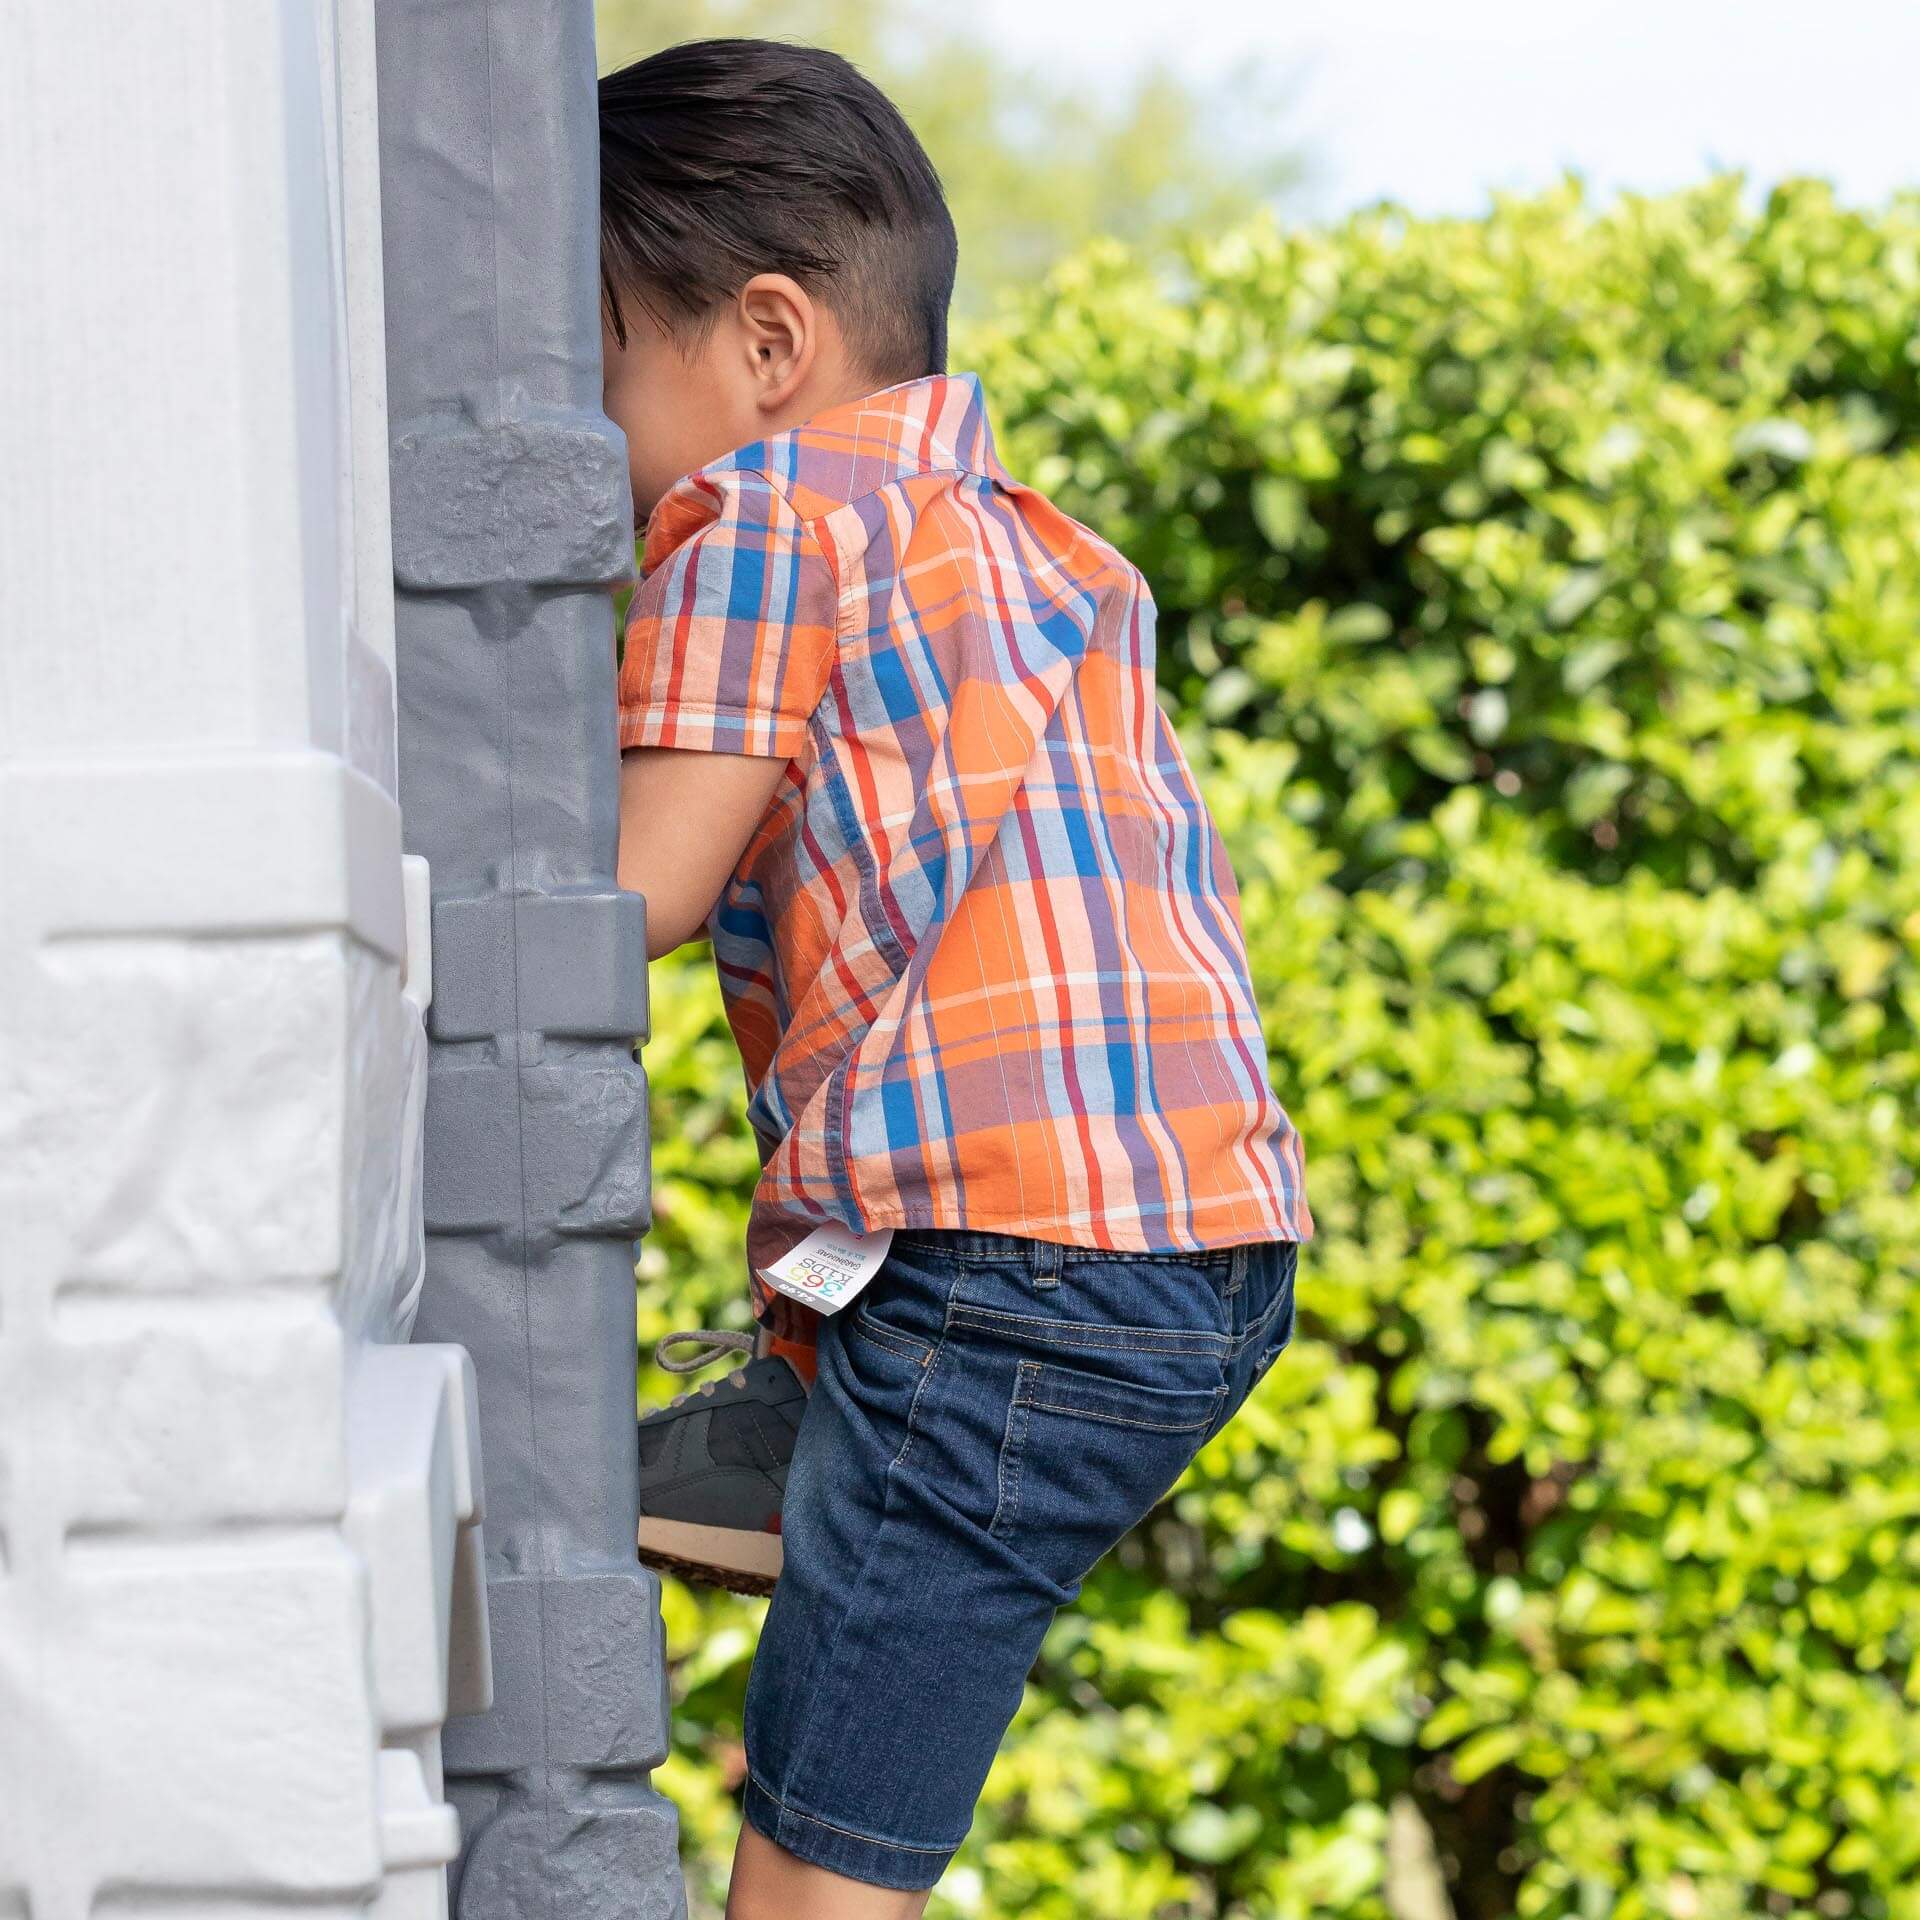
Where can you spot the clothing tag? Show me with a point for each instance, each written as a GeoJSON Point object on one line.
{"type": "Point", "coordinates": [829, 1266]}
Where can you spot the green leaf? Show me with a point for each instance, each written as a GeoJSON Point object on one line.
{"type": "Point", "coordinates": [1485, 1751]}
{"type": "Point", "coordinates": [1577, 591]}
{"type": "Point", "coordinates": [1213, 1834]}
{"type": "Point", "coordinates": [1279, 510]}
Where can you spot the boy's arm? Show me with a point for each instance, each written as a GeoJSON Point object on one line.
{"type": "Point", "coordinates": [685, 819]}
{"type": "Point", "coordinates": [730, 642]}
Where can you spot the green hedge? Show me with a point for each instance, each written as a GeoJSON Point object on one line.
{"type": "Point", "coordinates": [1540, 596]}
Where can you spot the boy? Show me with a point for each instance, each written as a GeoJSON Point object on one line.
{"type": "Point", "coordinates": [890, 737]}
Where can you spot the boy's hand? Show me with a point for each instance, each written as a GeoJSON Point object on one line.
{"type": "Point", "coordinates": [685, 820]}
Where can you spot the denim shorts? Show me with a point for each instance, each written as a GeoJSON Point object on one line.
{"type": "Point", "coordinates": [989, 1416]}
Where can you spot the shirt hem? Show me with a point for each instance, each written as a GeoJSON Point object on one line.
{"type": "Point", "coordinates": [765, 1302]}
{"type": "Point", "coordinates": [1067, 1234]}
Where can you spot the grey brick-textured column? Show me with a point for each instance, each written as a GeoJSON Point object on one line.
{"type": "Point", "coordinates": [510, 514]}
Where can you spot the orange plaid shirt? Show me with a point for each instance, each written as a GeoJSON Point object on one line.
{"type": "Point", "coordinates": [983, 955]}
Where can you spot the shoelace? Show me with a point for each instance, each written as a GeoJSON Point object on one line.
{"type": "Point", "coordinates": [718, 1343]}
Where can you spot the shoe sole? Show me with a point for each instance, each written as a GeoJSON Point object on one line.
{"type": "Point", "coordinates": [726, 1557]}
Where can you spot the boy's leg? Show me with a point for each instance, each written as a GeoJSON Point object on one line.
{"type": "Point", "coordinates": [769, 1883]}
{"type": "Point", "coordinates": [988, 1418]}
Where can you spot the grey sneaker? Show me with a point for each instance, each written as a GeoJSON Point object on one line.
{"type": "Point", "coordinates": [713, 1466]}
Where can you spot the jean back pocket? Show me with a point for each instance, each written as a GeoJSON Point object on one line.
{"type": "Point", "coordinates": [1086, 1457]}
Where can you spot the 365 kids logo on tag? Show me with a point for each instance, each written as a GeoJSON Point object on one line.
{"type": "Point", "coordinates": [829, 1266]}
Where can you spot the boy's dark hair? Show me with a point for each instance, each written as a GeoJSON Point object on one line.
{"type": "Point", "coordinates": [721, 159]}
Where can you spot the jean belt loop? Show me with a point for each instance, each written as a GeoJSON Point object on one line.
{"type": "Point", "coordinates": [1046, 1271]}
{"type": "Point", "coordinates": [1236, 1270]}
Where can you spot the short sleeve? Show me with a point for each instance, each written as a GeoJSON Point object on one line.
{"type": "Point", "coordinates": [731, 632]}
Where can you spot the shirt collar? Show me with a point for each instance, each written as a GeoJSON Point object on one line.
{"type": "Point", "coordinates": [931, 425]}
{"type": "Point", "coordinates": [937, 424]}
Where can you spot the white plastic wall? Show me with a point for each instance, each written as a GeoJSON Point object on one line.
{"type": "Point", "coordinates": [239, 1547]}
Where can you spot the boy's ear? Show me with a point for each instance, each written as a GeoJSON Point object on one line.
{"type": "Point", "coordinates": [780, 333]}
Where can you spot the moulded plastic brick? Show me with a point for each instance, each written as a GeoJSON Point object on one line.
{"type": "Point", "coordinates": [463, 1409]}
{"type": "Point", "coordinates": [178, 1409]}
{"type": "Point", "coordinates": [583, 964]}
{"type": "Point", "coordinates": [193, 1084]}
{"type": "Point", "coordinates": [234, 1676]}
{"type": "Point", "coordinates": [416, 889]}
{"type": "Point", "coordinates": [402, 1437]}
{"type": "Point", "coordinates": [568, 964]}
{"type": "Point", "coordinates": [416, 1830]}
{"type": "Point", "coordinates": [237, 843]}
{"type": "Point", "coordinates": [586, 1162]}
{"type": "Point", "coordinates": [577, 1156]}
{"type": "Point", "coordinates": [606, 1707]}
{"type": "Point", "coordinates": [590, 1863]}
{"type": "Point", "coordinates": [581, 1635]}
{"type": "Point", "coordinates": [540, 501]}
